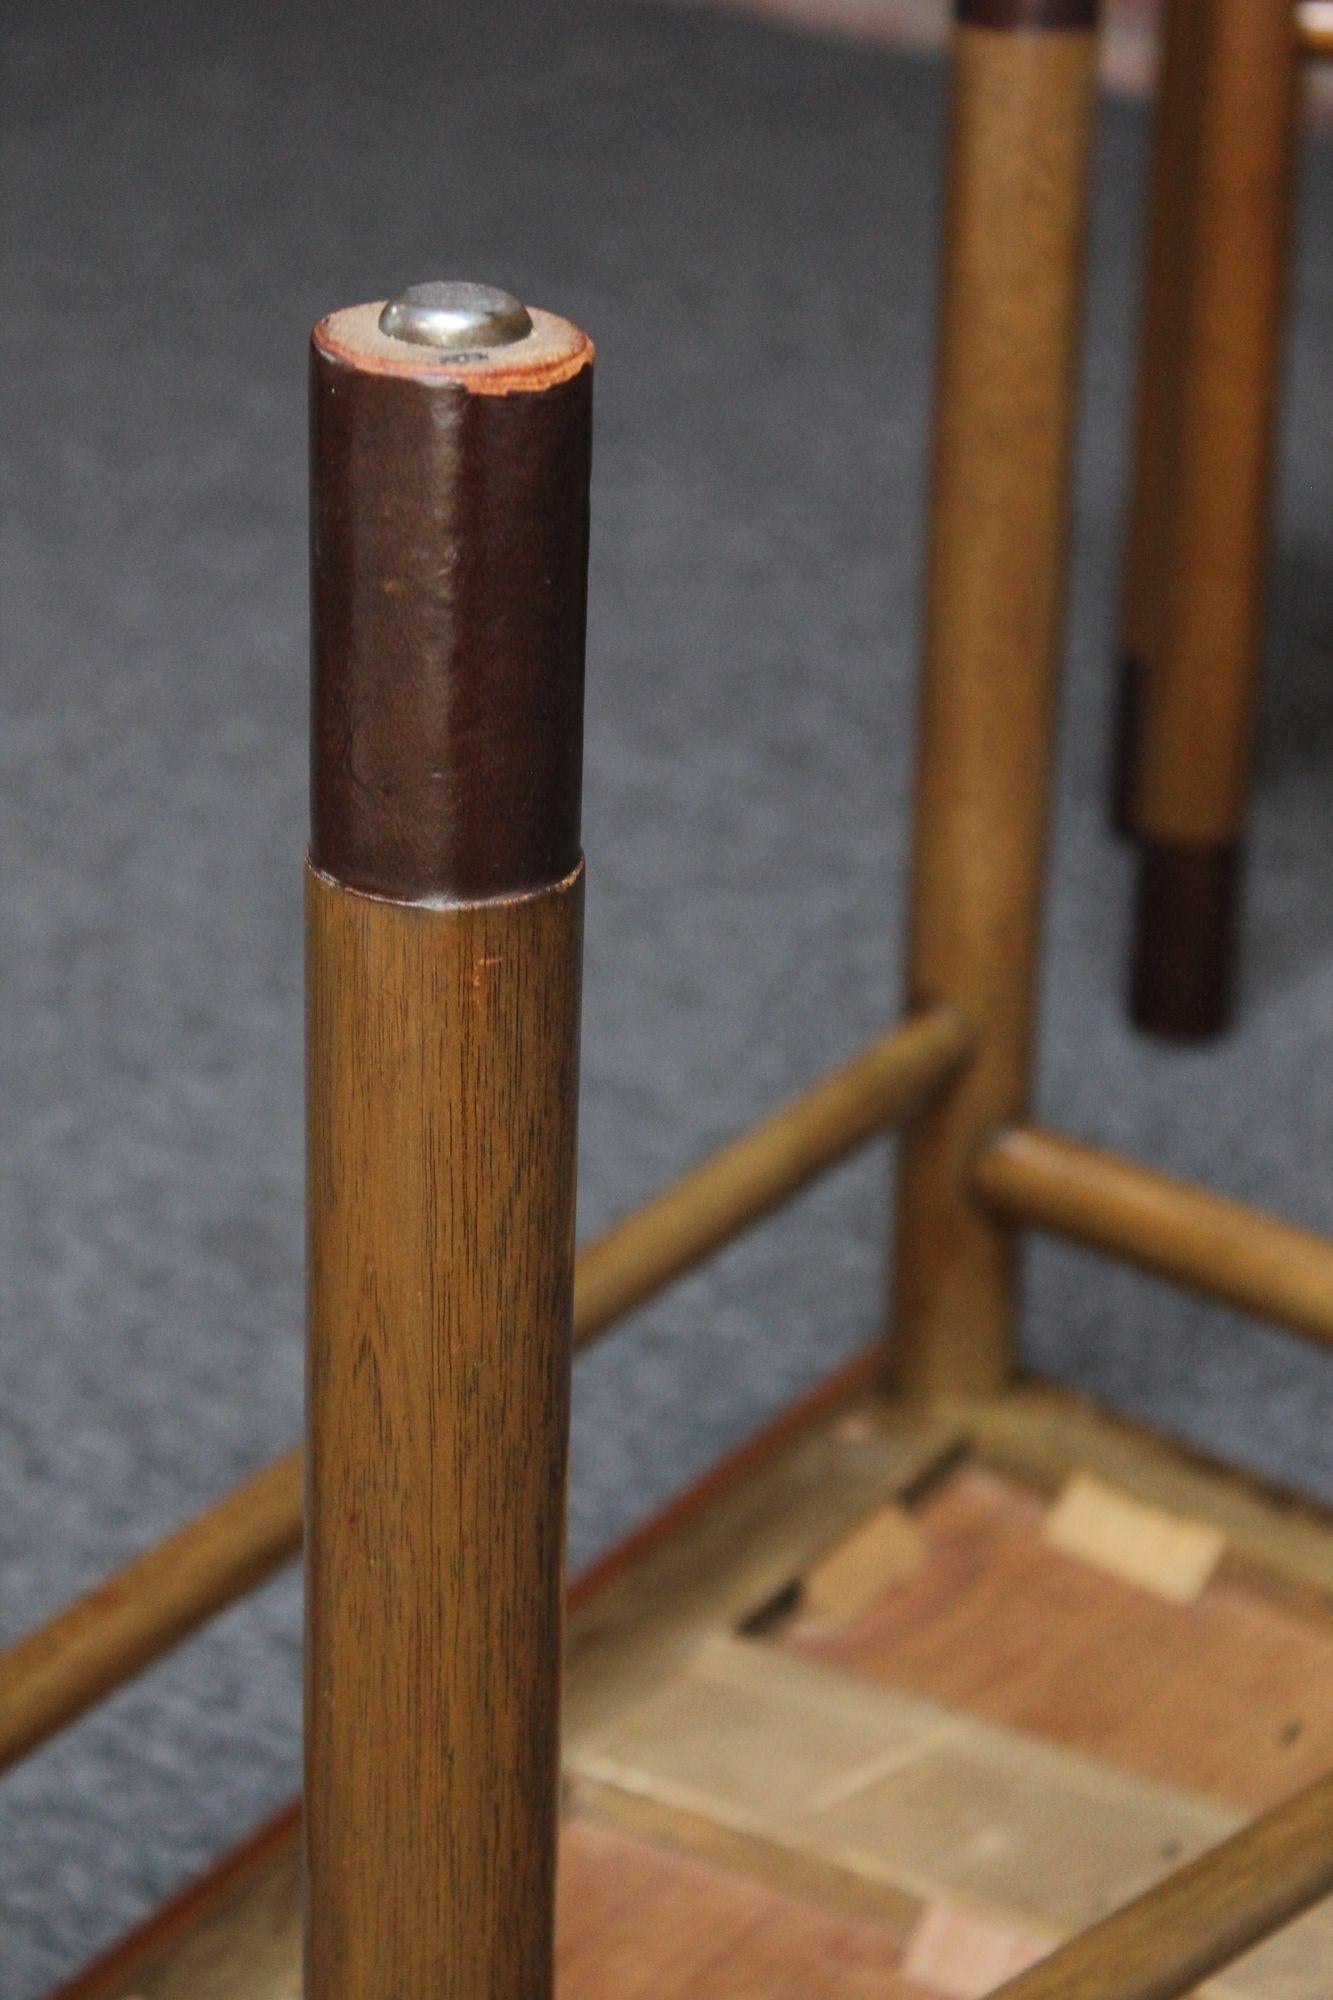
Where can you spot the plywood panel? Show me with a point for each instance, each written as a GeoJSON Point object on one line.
{"type": "Point", "coordinates": [1043, 1434]}
{"type": "Point", "coordinates": [635, 1920]}
{"type": "Point", "coordinates": [760, 1537]}
{"type": "Point", "coordinates": [857, 1777]}
{"type": "Point", "coordinates": [897, 1788]}
{"type": "Point", "coordinates": [960, 1632]}
{"type": "Point", "coordinates": [1166, 1554]}
{"type": "Point", "coordinates": [639, 1923]}
{"type": "Point", "coordinates": [1231, 1695]}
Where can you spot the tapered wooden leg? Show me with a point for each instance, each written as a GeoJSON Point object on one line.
{"type": "Point", "coordinates": [1194, 759]}
{"type": "Point", "coordinates": [1166, 273]}
{"type": "Point", "coordinates": [444, 896]}
{"type": "Point", "coordinates": [1017, 201]}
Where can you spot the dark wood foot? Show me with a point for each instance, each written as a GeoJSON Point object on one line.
{"type": "Point", "coordinates": [1126, 735]}
{"type": "Point", "coordinates": [1183, 973]}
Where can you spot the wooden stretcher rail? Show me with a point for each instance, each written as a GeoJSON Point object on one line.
{"type": "Point", "coordinates": [1177, 1231]}
{"type": "Point", "coordinates": [744, 1182]}
{"type": "Point", "coordinates": [56, 1673]}
{"type": "Point", "coordinates": [1203, 1917]}
{"type": "Point", "coordinates": [1011, 288]}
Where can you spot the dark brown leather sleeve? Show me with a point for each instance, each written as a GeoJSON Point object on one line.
{"type": "Point", "coordinates": [1029, 14]}
{"type": "Point", "coordinates": [449, 547]}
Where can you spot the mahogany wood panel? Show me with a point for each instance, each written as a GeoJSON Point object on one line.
{"type": "Point", "coordinates": [1278, 1541]}
{"type": "Point", "coordinates": [1016, 210]}
{"type": "Point", "coordinates": [1183, 1233]}
{"type": "Point", "coordinates": [638, 1919]}
{"type": "Point", "coordinates": [974, 1845]}
{"type": "Point", "coordinates": [635, 1921]}
{"type": "Point", "coordinates": [1227, 1695]}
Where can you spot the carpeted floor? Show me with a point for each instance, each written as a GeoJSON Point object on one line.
{"type": "Point", "coordinates": [745, 220]}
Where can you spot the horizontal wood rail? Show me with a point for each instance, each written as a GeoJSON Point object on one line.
{"type": "Point", "coordinates": [1314, 27]}
{"type": "Point", "coordinates": [56, 1673]}
{"type": "Point", "coordinates": [1201, 1918]}
{"type": "Point", "coordinates": [1180, 1232]}
{"type": "Point", "coordinates": [744, 1182]}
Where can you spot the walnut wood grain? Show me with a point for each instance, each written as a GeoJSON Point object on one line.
{"type": "Point", "coordinates": [705, 1558]}
{"type": "Point", "coordinates": [55, 1673]}
{"type": "Point", "coordinates": [449, 502]}
{"type": "Point", "coordinates": [773, 1489]}
{"type": "Point", "coordinates": [442, 1098]}
{"type": "Point", "coordinates": [1017, 201]}
{"type": "Point", "coordinates": [1196, 751]}
{"type": "Point", "coordinates": [1198, 713]}
{"type": "Point", "coordinates": [1167, 266]}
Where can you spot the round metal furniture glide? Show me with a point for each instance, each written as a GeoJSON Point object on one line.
{"type": "Point", "coordinates": [456, 317]}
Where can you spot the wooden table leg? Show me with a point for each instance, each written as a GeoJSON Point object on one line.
{"type": "Point", "coordinates": [1195, 751]}
{"type": "Point", "coordinates": [1161, 337]}
{"type": "Point", "coordinates": [444, 898]}
{"type": "Point", "coordinates": [1023, 87]}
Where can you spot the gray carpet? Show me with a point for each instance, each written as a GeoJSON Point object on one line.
{"type": "Point", "coordinates": [745, 220]}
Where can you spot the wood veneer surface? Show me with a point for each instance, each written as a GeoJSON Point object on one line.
{"type": "Point", "coordinates": [1200, 1699]}
{"type": "Point", "coordinates": [634, 1920]}
{"type": "Point", "coordinates": [1231, 1695]}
